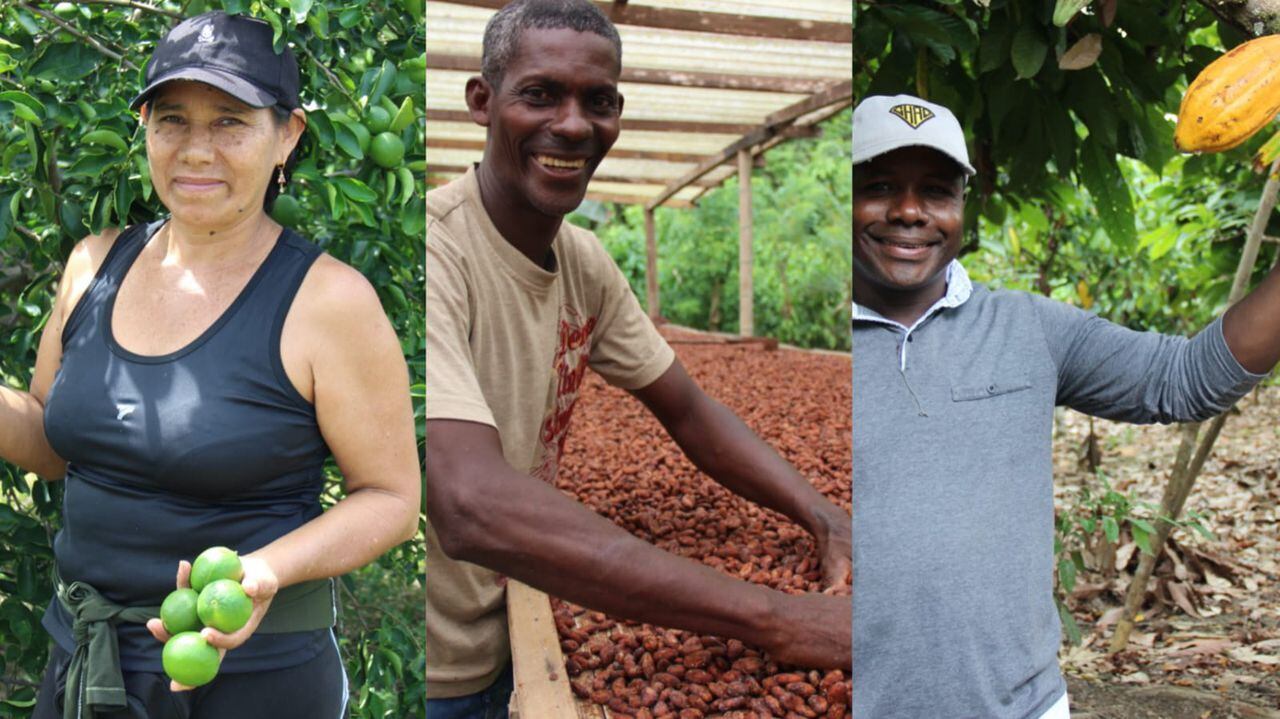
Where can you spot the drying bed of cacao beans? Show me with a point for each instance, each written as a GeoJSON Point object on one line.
{"type": "Point", "coordinates": [620, 462]}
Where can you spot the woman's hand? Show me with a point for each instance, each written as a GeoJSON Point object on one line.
{"type": "Point", "coordinates": [259, 582]}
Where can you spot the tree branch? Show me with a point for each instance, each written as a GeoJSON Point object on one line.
{"type": "Point", "coordinates": [329, 74]}
{"type": "Point", "coordinates": [1254, 18]}
{"type": "Point", "coordinates": [136, 5]}
{"type": "Point", "coordinates": [93, 42]}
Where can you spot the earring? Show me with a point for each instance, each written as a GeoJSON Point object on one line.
{"type": "Point", "coordinates": [280, 176]}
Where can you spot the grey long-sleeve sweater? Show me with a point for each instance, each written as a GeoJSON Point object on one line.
{"type": "Point", "coordinates": [953, 489]}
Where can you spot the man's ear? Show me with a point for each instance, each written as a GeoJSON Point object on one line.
{"type": "Point", "coordinates": [479, 95]}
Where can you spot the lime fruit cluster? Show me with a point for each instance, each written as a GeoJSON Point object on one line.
{"type": "Point", "coordinates": [216, 600]}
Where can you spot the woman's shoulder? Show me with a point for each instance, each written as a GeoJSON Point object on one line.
{"type": "Point", "coordinates": [335, 292]}
{"type": "Point", "coordinates": [89, 253]}
{"type": "Point", "coordinates": [84, 262]}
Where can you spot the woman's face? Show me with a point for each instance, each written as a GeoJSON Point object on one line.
{"type": "Point", "coordinates": [212, 156]}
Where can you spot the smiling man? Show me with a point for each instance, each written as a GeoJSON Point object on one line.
{"type": "Point", "coordinates": [954, 387]}
{"type": "Point", "coordinates": [519, 305]}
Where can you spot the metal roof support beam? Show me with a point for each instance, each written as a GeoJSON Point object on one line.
{"type": "Point", "coordinates": [722, 128]}
{"type": "Point", "coordinates": [681, 78]}
{"type": "Point", "coordinates": [620, 179]}
{"type": "Point", "coordinates": [716, 22]}
{"type": "Point", "coordinates": [746, 254]}
{"type": "Point", "coordinates": [838, 93]}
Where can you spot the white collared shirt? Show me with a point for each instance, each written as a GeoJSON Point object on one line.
{"type": "Point", "coordinates": [959, 287]}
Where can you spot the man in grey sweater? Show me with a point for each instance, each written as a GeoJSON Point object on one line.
{"type": "Point", "coordinates": [954, 387]}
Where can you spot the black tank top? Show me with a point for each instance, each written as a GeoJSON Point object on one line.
{"type": "Point", "coordinates": [169, 455]}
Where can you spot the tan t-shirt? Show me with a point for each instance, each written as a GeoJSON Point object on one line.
{"type": "Point", "coordinates": [508, 343]}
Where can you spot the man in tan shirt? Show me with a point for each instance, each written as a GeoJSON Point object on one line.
{"type": "Point", "coordinates": [519, 305]}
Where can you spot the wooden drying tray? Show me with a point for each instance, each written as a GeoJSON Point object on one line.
{"type": "Point", "coordinates": [541, 684]}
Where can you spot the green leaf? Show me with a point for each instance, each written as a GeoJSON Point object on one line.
{"type": "Point", "coordinates": [413, 217]}
{"type": "Point", "coordinates": [346, 140]}
{"type": "Point", "coordinates": [300, 10]}
{"type": "Point", "coordinates": [404, 116]}
{"type": "Point", "coordinates": [18, 97]}
{"type": "Point", "coordinates": [1064, 10]}
{"type": "Point", "coordinates": [105, 137]}
{"type": "Point", "coordinates": [1111, 529]}
{"type": "Point", "coordinates": [355, 189]}
{"type": "Point", "coordinates": [994, 49]}
{"type": "Point", "coordinates": [386, 78]}
{"type": "Point", "coordinates": [1110, 193]}
{"type": "Point", "coordinates": [406, 184]}
{"type": "Point", "coordinates": [350, 17]}
{"type": "Point", "coordinates": [1028, 51]}
{"type": "Point", "coordinates": [25, 113]}
{"type": "Point", "coordinates": [1067, 574]}
{"type": "Point", "coordinates": [64, 62]}
{"type": "Point", "coordinates": [1143, 539]}
{"type": "Point", "coordinates": [1069, 625]}
{"type": "Point", "coordinates": [124, 198]}
{"type": "Point", "coordinates": [6, 217]}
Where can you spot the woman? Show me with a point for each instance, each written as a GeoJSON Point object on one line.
{"type": "Point", "coordinates": [195, 374]}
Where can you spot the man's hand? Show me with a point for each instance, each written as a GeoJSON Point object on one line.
{"type": "Point", "coordinates": [817, 632]}
{"type": "Point", "coordinates": [835, 551]}
{"type": "Point", "coordinates": [259, 582]}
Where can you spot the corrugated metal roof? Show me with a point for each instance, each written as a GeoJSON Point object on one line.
{"type": "Point", "coordinates": [672, 78]}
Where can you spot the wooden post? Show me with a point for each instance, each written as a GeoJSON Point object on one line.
{"type": "Point", "coordinates": [746, 260]}
{"type": "Point", "coordinates": [651, 265]}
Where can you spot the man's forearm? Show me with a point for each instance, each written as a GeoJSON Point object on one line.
{"type": "Point", "coordinates": [725, 449]}
{"type": "Point", "coordinates": [22, 439]}
{"type": "Point", "coordinates": [526, 529]}
{"type": "Point", "coordinates": [1252, 326]}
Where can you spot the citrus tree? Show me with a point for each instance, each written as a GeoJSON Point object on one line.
{"type": "Point", "coordinates": [72, 162]}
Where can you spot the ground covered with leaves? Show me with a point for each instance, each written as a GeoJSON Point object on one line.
{"type": "Point", "coordinates": [1207, 645]}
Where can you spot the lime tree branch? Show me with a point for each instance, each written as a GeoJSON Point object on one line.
{"type": "Point", "coordinates": [329, 74]}
{"type": "Point", "coordinates": [135, 5]}
{"type": "Point", "coordinates": [93, 41]}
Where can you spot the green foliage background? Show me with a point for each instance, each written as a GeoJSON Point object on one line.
{"type": "Point", "coordinates": [1080, 192]}
{"type": "Point", "coordinates": [803, 261]}
{"type": "Point", "coordinates": [72, 161]}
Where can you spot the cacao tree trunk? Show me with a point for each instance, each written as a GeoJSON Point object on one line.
{"type": "Point", "coordinates": [1184, 471]}
{"type": "Point", "coordinates": [1252, 17]}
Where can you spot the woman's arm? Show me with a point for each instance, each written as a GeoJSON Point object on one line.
{"type": "Point", "coordinates": [22, 439]}
{"type": "Point", "coordinates": [360, 386]}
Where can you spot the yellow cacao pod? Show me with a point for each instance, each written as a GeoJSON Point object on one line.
{"type": "Point", "coordinates": [1232, 98]}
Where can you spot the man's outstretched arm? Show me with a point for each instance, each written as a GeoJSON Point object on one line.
{"type": "Point", "coordinates": [487, 513]}
{"type": "Point", "coordinates": [1252, 326]}
{"type": "Point", "coordinates": [724, 448]}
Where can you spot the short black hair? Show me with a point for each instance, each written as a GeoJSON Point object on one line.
{"type": "Point", "coordinates": [502, 33]}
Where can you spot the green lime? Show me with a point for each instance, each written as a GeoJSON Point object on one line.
{"type": "Point", "coordinates": [379, 119]}
{"type": "Point", "coordinates": [65, 10]}
{"type": "Point", "coordinates": [215, 563]}
{"type": "Point", "coordinates": [178, 612]}
{"type": "Point", "coordinates": [189, 659]}
{"type": "Point", "coordinates": [387, 150]}
{"type": "Point", "coordinates": [287, 211]}
{"type": "Point", "coordinates": [224, 606]}
{"type": "Point", "coordinates": [362, 135]}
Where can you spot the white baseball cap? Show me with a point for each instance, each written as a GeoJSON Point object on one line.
{"type": "Point", "coordinates": [882, 123]}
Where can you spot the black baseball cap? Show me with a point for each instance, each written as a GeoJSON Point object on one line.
{"type": "Point", "coordinates": [230, 52]}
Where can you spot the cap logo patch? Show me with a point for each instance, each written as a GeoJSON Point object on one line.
{"type": "Point", "coordinates": [206, 34]}
{"type": "Point", "coordinates": [913, 115]}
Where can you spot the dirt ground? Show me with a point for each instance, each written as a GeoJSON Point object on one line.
{"type": "Point", "coordinates": [1208, 643]}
